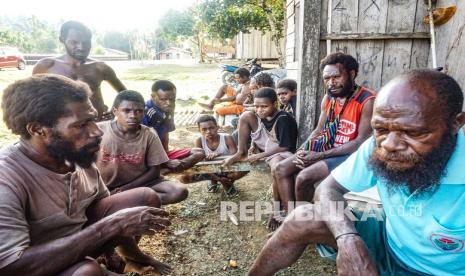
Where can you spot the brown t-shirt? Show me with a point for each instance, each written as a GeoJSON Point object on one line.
{"type": "Point", "coordinates": [38, 205]}
{"type": "Point", "coordinates": [122, 160]}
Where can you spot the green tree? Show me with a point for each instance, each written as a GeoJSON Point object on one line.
{"type": "Point", "coordinates": [117, 40]}
{"type": "Point", "coordinates": [226, 18]}
{"type": "Point", "coordinates": [176, 26]}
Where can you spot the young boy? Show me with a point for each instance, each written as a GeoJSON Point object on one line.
{"type": "Point", "coordinates": [274, 134]}
{"type": "Point", "coordinates": [214, 145]}
{"type": "Point", "coordinates": [159, 115]}
{"type": "Point", "coordinates": [287, 95]}
{"type": "Point", "coordinates": [131, 154]}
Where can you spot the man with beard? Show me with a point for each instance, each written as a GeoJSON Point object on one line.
{"type": "Point", "coordinates": [56, 213]}
{"type": "Point", "coordinates": [75, 64]}
{"type": "Point", "coordinates": [344, 124]}
{"type": "Point", "coordinates": [415, 158]}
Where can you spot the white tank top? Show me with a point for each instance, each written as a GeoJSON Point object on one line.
{"type": "Point", "coordinates": [221, 149]}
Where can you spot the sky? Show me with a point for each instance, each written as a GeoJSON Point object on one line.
{"type": "Point", "coordinates": [102, 15]}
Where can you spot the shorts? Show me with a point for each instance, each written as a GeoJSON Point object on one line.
{"type": "Point", "coordinates": [231, 109]}
{"type": "Point", "coordinates": [333, 162]}
{"type": "Point", "coordinates": [373, 233]}
{"type": "Point", "coordinates": [178, 153]}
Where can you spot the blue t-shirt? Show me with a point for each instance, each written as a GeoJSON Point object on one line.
{"type": "Point", "coordinates": [160, 121]}
{"type": "Point", "coordinates": [427, 233]}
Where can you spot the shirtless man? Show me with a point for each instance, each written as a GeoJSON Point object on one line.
{"type": "Point", "coordinates": [76, 65]}
{"type": "Point", "coordinates": [56, 213]}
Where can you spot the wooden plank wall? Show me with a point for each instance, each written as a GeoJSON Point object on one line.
{"type": "Point", "coordinates": [256, 45]}
{"type": "Point", "coordinates": [450, 40]}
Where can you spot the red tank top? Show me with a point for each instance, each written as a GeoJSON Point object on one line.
{"type": "Point", "coordinates": [350, 119]}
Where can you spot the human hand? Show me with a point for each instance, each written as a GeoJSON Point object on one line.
{"type": "Point", "coordinates": [229, 161]}
{"type": "Point", "coordinates": [175, 165]}
{"type": "Point", "coordinates": [353, 257]}
{"type": "Point", "coordinates": [211, 156]}
{"type": "Point", "coordinates": [115, 191]}
{"type": "Point", "coordinates": [254, 158]}
{"type": "Point", "coordinates": [138, 221]}
{"type": "Point", "coordinates": [252, 150]}
{"type": "Point", "coordinates": [306, 158]}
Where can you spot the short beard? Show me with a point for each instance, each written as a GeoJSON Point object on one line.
{"type": "Point", "coordinates": [347, 90]}
{"type": "Point", "coordinates": [424, 178]}
{"type": "Point", "coordinates": [63, 150]}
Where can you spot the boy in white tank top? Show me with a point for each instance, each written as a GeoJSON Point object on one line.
{"type": "Point", "coordinates": [215, 144]}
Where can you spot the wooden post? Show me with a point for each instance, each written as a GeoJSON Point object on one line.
{"type": "Point", "coordinates": [308, 75]}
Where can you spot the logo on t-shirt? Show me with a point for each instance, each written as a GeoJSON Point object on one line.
{"type": "Point", "coordinates": [346, 127]}
{"type": "Point", "coordinates": [447, 244]}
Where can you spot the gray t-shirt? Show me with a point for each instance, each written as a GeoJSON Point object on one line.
{"type": "Point", "coordinates": [120, 161]}
{"type": "Point", "coordinates": [38, 205]}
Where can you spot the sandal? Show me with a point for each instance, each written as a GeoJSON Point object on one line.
{"type": "Point", "coordinates": [232, 191]}
{"type": "Point", "coordinates": [213, 187]}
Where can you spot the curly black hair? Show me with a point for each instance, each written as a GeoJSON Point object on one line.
{"type": "Point", "coordinates": [348, 61]}
{"type": "Point", "coordinates": [267, 92]}
{"type": "Point", "coordinates": [288, 84]}
{"type": "Point", "coordinates": [242, 72]}
{"type": "Point", "coordinates": [164, 85]}
{"type": "Point", "coordinates": [41, 99]}
{"type": "Point", "coordinates": [75, 25]}
{"type": "Point", "coordinates": [264, 80]}
{"type": "Point", "coordinates": [206, 118]}
{"type": "Point", "coordinates": [128, 95]}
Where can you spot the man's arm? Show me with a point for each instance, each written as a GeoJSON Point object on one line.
{"type": "Point", "coordinates": [353, 255]}
{"type": "Point", "coordinates": [255, 157]}
{"type": "Point", "coordinates": [230, 144]}
{"type": "Point", "coordinates": [42, 66]}
{"type": "Point", "coordinates": [151, 174]}
{"type": "Point", "coordinates": [198, 142]}
{"type": "Point", "coordinates": [109, 75]}
{"type": "Point", "coordinates": [243, 94]}
{"type": "Point", "coordinates": [52, 257]}
{"type": "Point", "coordinates": [165, 142]}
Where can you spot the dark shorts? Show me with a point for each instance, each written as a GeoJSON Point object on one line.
{"type": "Point", "coordinates": [333, 162]}
{"type": "Point", "coordinates": [373, 233]}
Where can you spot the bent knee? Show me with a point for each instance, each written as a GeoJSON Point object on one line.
{"type": "Point", "coordinates": [182, 193]}
{"type": "Point", "coordinates": [281, 169]}
{"type": "Point", "coordinates": [302, 221]}
{"type": "Point", "coordinates": [151, 198]}
{"type": "Point", "coordinates": [88, 268]}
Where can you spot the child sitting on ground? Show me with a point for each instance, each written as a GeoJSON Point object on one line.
{"type": "Point", "coordinates": [287, 95]}
{"type": "Point", "coordinates": [215, 144]}
{"type": "Point", "coordinates": [275, 135]}
{"type": "Point", "coordinates": [131, 154]}
{"type": "Point", "coordinates": [273, 131]}
{"type": "Point", "coordinates": [159, 115]}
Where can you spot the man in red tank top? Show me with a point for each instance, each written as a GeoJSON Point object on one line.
{"type": "Point", "coordinates": [347, 105]}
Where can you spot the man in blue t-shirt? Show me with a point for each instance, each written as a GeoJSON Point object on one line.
{"type": "Point", "coordinates": [159, 114]}
{"type": "Point", "coordinates": [416, 160]}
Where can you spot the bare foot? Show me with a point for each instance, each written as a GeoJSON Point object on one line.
{"type": "Point", "coordinates": [112, 261]}
{"type": "Point", "coordinates": [274, 221]}
{"type": "Point", "coordinates": [206, 106]}
{"type": "Point", "coordinates": [150, 265]}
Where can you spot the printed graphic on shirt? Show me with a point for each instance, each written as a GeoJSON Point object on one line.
{"type": "Point", "coordinates": [346, 127]}
{"type": "Point", "coordinates": [447, 244]}
{"type": "Point", "coordinates": [133, 158]}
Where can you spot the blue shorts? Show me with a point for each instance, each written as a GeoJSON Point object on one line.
{"type": "Point", "coordinates": [373, 233]}
{"type": "Point", "coordinates": [333, 162]}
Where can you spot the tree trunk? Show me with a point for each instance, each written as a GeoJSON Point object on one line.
{"type": "Point", "coordinates": [274, 36]}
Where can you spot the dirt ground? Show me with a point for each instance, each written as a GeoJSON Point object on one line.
{"type": "Point", "coordinates": [207, 243]}
{"type": "Point", "coordinates": [204, 244]}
